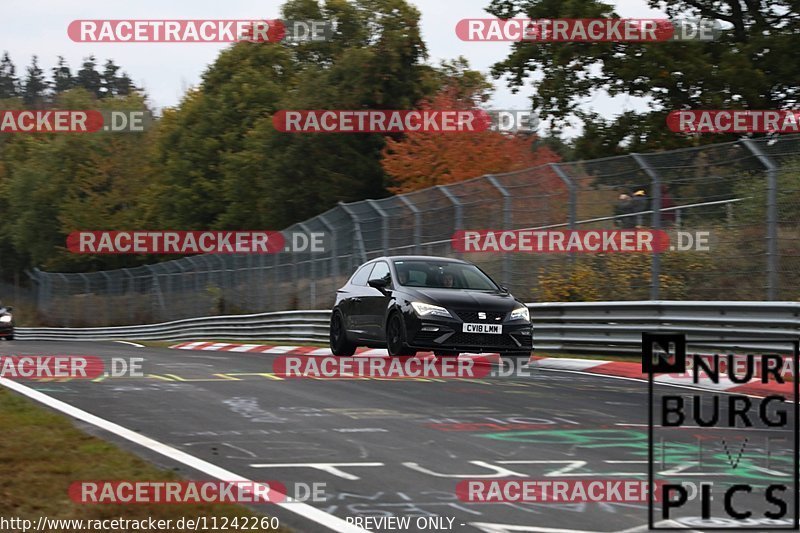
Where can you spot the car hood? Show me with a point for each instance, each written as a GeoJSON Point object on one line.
{"type": "Point", "coordinates": [464, 299]}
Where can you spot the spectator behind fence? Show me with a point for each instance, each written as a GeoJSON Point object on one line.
{"type": "Point", "coordinates": [624, 206]}
{"type": "Point", "coordinates": [640, 203]}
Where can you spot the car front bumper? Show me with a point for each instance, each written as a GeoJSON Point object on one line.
{"type": "Point", "coordinates": [443, 334]}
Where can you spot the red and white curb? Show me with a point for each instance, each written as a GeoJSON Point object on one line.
{"type": "Point", "coordinates": [634, 371]}
{"type": "Point", "coordinates": [302, 350]}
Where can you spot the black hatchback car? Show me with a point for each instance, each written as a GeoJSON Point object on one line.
{"type": "Point", "coordinates": [419, 303]}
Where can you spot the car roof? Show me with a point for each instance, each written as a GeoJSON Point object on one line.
{"type": "Point", "coordinates": [419, 258]}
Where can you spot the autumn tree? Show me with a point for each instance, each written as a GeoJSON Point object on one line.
{"type": "Point", "coordinates": [425, 159]}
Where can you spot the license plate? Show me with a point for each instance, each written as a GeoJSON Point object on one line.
{"type": "Point", "coordinates": [495, 329]}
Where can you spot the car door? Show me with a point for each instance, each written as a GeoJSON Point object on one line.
{"type": "Point", "coordinates": [352, 303]}
{"type": "Point", "coordinates": [374, 302]}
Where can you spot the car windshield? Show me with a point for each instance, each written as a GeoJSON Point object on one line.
{"type": "Point", "coordinates": [442, 275]}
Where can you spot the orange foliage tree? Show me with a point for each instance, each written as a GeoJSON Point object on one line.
{"type": "Point", "coordinates": [424, 159]}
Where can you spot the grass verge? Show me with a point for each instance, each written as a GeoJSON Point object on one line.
{"type": "Point", "coordinates": [42, 453]}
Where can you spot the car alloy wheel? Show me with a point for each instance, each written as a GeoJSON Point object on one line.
{"type": "Point", "coordinates": [395, 337]}
{"type": "Point", "coordinates": [338, 338]}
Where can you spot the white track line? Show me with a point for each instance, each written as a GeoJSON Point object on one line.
{"type": "Point", "coordinates": [132, 344]}
{"type": "Point", "coordinates": [303, 509]}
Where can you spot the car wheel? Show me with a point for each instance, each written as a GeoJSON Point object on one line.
{"type": "Point", "coordinates": [439, 353]}
{"type": "Point", "coordinates": [396, 337]}
{"type": "Point", "coordinates": [338, 338]}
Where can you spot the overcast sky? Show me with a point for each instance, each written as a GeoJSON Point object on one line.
{"type": "Point", "coordinates": [166, 70]}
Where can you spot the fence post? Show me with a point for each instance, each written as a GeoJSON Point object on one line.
{"type": "Point", "coordinates": [655, 206]}
{"type": "Point", "coordinates": [356, 235]}
{"type": "Point", "coordinates": [772, 216]}
{"type": "Point", "coordinates": [179, 297]}
{"type": "Point", "coordinates": [506, 276]}
{"type": "Point", "coordinates": [67, 292]}
{"type": "Point", "coordinates": [276, 283]}
{"type": "Point", "coordinates": [417, 222]}
{"type": "Point", "coordinates": [458, 222]}
{"type": "Point", "coordinates": [107, 276]}
{"type": "Point", "coordinates": [384, 225]}
{"type": "Point", "coordinates": [573, 193]}
{"type": "Point", "coordinates": [334, 252]}
{"type": "Point", "coordinates": [130, 289]}
{"type": "Point", "coordinates": [312, 286]}
{"type": "Point", "coordinates": [573, 199]}
{"type": "Point", "coordinates": [87, 287]}
{"type": "Point", "coordinates": [156, 288]}
{"type": "Point", "coordinates": [35, 277]}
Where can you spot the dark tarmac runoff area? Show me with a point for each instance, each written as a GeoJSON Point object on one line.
{"type": "Point", "coordinates": [388, 455]}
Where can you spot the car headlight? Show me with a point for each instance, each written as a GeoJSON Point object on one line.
{"type": "Point", "coordinates": [423, 309]}
{"type": "Point", "coordinates": [520, 313]}
{"type": "Point", "coordinates": [5, 318]}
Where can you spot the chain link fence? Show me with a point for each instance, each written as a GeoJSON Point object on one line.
{"type": "Point", "coordinates": [742, 192]}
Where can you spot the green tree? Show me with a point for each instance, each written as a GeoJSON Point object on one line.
{"type": "Point", "coordinates": [62, 77]}
{"type": "Point", "coordinates": [9, 83]}
{"type": "Point", "coordinates": [34, 86]}
{"type": "Point", "coordinates": [225, 166]}
{"type": "Point", "coordinates": [113, 84]}
{"type": "Point", "coordinates": [746, 67]}
{"type": "Point", "coordinates": [195, 140]}
{"type": "Point", "coordinates": [88, 77]}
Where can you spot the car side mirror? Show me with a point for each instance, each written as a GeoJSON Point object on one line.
{"type": "Point", "coordinates": [378, 283]}
{"type": "Point", "coordinates": [504, 289]}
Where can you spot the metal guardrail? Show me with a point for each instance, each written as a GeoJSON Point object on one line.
{"type": "Point", "coordinates": [616, 327]}
{"type": "Point", "coordinates": [294, 326]}
{"type": "Point", "coordinates": [596, 327]}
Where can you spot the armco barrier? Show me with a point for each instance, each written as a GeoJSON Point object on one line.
{"type": "Point", "coordinates": [616, 327]}
{"type": "Point", "coordinates": [596, 327]}
{"type": "Point", "coordinates": [297, 326]}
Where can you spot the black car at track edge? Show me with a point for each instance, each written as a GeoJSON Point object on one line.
{"type": "Point", "coordinates": [421, 303]}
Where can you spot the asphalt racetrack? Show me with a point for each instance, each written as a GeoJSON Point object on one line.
{"type": "Point", "coordinates": [398, 448]}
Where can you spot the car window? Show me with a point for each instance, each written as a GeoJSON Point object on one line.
{"type": "Point", "coordinates": [441, 275]}
{"type": "Point", "coordinates": [381, 270]}
{"type": "Point", "coordinates": [361, 277]}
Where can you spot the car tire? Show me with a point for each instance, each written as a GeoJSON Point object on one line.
{"type": "Point", "coordinates": [339, 343]}
{"type": "Point", "coordinates": [396, 343]}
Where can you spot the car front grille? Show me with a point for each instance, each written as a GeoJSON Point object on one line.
{"type": "Point", "coordinates": [481, 340]}
{"type": "Point", "coordinates": [427, 336]}
{"type": "Point", "coordinates": [472, 316]}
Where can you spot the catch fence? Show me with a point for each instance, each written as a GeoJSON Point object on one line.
{"type": "Point", "coordinates": [743, 193]}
